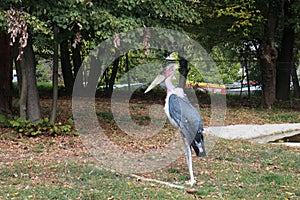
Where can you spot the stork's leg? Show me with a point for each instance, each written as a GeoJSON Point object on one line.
{"type": "Point", "coordinates": [188, 155]}
{"type": "Point", "coordinates": [192, 180]}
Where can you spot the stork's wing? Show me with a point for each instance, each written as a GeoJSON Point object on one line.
{"type": "Point", "coordinates": [186, 117]}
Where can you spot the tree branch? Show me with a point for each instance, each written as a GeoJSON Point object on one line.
{"type": "Point", "coordinates": [159, 182]}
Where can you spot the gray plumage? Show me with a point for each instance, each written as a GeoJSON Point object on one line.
{"type": "Point", "coordinates": [188, 120]}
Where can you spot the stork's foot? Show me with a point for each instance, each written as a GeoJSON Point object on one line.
{"type": "Point", "coordinates": [190, 182]}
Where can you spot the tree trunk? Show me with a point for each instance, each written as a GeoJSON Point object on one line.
{"type": "Point", "coordinates": [295, 81]}
{"type": "Point", "coordinates": [268, 68]}
{"type": "Point", "coordinates": [106, 80]}
{"type": "Point", "coordinates": [94, 73]}
{"type": "Point", "coordinates": [128, 72]}
{"type": "Point", "coordinates": [29, 87]}
{"type": "Point", "coordinates": [113, 77]}
{"type": "Point", "coordinates": [5, 74]}
{"type": "Point", "coordinates": [15, 53]}
{"type": "Point", "coordinates": [184, 70]}
{"type": "Point", "coordinates": [23, 90]}
{"type": "Point", "coordinates": [22, 81]}
{"type": "Point", "coordinates": [285, 57]}
{"type": "Point", "coordinates": [55, 75]}
{"type": "Point", "coordinates": [66, 66]}
{"type": "Point", "coordinates": [77, 61]}
{"type": "Point", "coordinates": [268, 55]}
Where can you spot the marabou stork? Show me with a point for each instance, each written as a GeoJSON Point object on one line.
{"type": "Point", "coordinates": [183, 115]}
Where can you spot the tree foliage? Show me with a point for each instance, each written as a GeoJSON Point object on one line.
{"type": "Point", "coordinates": [260, 22]}
{"type": "Point", "coordinates": [245, 16]}
{"type": "Point", "coordinates": [228, 63]}
{"type": "Point", "coordinates": [222, 27]}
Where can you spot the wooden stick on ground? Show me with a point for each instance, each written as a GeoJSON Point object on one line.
{"type": "Point", "coordinates": [157, 181]}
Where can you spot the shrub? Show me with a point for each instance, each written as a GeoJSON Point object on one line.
{"type": "Point", "coordinates": [41, 127]}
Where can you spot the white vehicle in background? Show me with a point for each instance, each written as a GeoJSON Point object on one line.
{"type": "Point", "coordinates": [237, 89]}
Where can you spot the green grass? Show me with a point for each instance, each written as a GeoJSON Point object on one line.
{"type": "Point", "coordinates": [233, 170]}
{"type": "Point", "coordinates": [139, 119]}
{"type": "Point", "coordinates": [282, 116]}
{"type": "Point", "coordinates": [262, 171]}
{"type": "Point", "coordinates": [32, 180]}
{"type": "Point", "coordinates": [106, 115]}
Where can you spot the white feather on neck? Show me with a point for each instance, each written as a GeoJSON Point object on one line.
{"type": "Point", "coordinates": [179, 92]}
{"type": "Point", "coordinates": [172, 89]}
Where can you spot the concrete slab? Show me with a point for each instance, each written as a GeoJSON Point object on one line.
{"type": "Point", "coordinates": [275, 136]}
{"type": "Point", "coordinates": [290, 144]}
{"type": "Point", "coordinates": [257, 133]}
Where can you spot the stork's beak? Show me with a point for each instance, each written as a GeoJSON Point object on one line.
{"type": "Point", "coordinates": [160, 78]}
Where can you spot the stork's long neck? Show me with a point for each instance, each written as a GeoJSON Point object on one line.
{"type": "Point", "coordinates": [169, 84]}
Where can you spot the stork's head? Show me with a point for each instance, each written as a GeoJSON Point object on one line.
{"type": "Point", "coordinates": [168, 71]}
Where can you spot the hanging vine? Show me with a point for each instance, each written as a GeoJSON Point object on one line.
{"type": "Point", "coordinates": [77, 39]}
{"type": "Point", "coordinates": [117, 40]}
{"type": "Point", "coordinates": [17, 28]}
{"type": "Point", "coordinates": [78, 36]}
{"type": "Point", "coordinates": [146, 41]}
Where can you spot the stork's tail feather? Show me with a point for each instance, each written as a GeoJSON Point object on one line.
{"type": "Point", "coordinates": [198, 145]}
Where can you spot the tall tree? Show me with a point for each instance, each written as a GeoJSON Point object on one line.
{"type": "Point", "coordinates": [66, 66]}
{"type": "Point", "coordinates": [28, 64]}
{"type": "Point", "coordinates": [268, 54]}
{"type": "Point", "coordinates": [5, 73]}
{"type": "Point", "coordinates": [25, 60]}
{"type": "Point", "coordinates": [295, 78]}
{"type": "Point", "coordinates": [55, 75]}
{"type": "Point", "coordinates": [112, 78]}
{"type": "Point", "coordinates": [286, 54]}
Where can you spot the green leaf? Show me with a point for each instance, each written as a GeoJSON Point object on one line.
{"type": "Point", "coordinates": [2, 118]}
